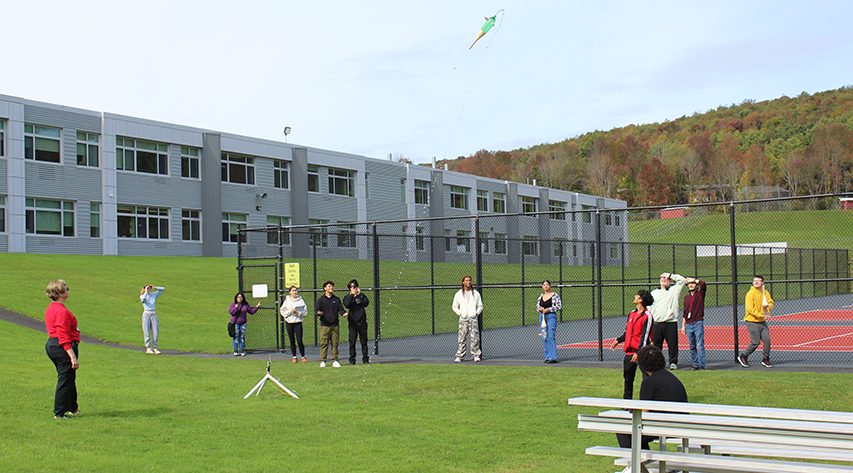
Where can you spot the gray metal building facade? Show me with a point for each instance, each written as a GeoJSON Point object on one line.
{"type": "Point", "coordinates": [76, 181]}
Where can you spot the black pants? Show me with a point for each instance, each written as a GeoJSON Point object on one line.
{"type": "Point", "coordinates": [625, 441]}
{"type": "Point", "coordinates": [65, 399]}
{"type": "Point", "coordinates": [629, 371]}
{"type": "Point", "coordinates": [666, 331]}
{"type": "Point", "coordinates": [294, 333]}
{"type": "Point", "coordinates": [358, 330]}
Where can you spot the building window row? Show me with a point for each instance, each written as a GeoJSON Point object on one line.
{"type": "Point", "coordinates": [50, 217]}
{"type": "Point", "coordinates": [143, 222]}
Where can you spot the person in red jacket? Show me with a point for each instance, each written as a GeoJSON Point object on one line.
{"type": "Point", "coordinates": [638, 333]}
{"type": "Point", "coordinates": [61, 348]}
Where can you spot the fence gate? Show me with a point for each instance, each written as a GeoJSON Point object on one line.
{"type": "Point", "coordinates": [265, 328]}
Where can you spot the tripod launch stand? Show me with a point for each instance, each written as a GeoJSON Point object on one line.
{"type": "Point", "coordinates": [260, 384]}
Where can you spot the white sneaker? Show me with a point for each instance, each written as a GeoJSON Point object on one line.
{"type": "Point", "coordinates": [148, 350]}
{"type": "Point", "coordinates": [236, 354]}
{"type": "Point", "coordinates": [476, 359]}
{"type": "Point", "coordinates": [156, 351]}
{"type": "Point", "coordinates": [335, 364]}
{"type": "Point", "coordinates": [322, 364]}
{"type": "Point", "coordinates": [457, 360]}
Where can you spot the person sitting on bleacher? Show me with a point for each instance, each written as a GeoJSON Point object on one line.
{"type": "Point", "coordinates": [659, 385]}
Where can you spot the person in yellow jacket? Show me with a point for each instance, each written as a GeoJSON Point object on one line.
{"type": "Point", "coordinates": [758, 307]}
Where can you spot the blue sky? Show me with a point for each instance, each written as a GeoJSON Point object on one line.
{"type": "Point", "coordinates": [380, 77]}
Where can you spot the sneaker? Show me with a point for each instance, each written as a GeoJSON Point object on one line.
{"type": "Point", "coordinates": [335, 364]}
{"type": "Point", "coordinates": [476, 359]}
{"type": "Point", "coordinates": [366, 362]}
{"type": "Point", "coordinates": [148, 350]}
{"type": "Point", "coordinates": [673, 366]}
{"type": "Point", "coordinates": [242, 353]}
{"type": "Point", "coordinates": [766, 362]}
{"type": "Point", "coordinates": [156, 351]}
{"type": "Point", "coordinates": [75, 413]}
{"type": "Point", "coordinates": [294, 360]}
{"type": "Point", "coordinates": [60, 416]}
{"type": "Point", "coordinates": [457, 360]}
{"type": "Point", "coordinates": [742, 360]}
{"type": "Point", "coordinates": [304, 360]}
{"type": "Point", "coordinates": [236, 354]}
{"type": "Point", "coordinates": [322, 364]}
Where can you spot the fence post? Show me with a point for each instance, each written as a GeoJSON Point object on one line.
{"type": "Point", "coordinates": [432, 280]}
{"type": "Point", "coordinates": [478, 262]}
{"type": "Point", "coordinates": [734, 276]}
{"type": "Point", "coordinates": [377, 327]}
{"type": "Point", "coordinates": [598, 283]}
{"type": "Point", "coordinates": [561, 274]}
{"type": "Point", "coordinates": [313, 240]}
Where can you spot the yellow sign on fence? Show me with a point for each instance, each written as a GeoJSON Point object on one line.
{"type": "Point", "coordinates": [291, 275]}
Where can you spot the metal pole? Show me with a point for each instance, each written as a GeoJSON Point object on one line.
{"type": "Point", "coordinates": [561, 275]}
{"type": "Point", "coordinates": [598, 264]}
{"type": "Point", "coordinates": [734, 276]}
{"type": "Point", "coordinates": [432, 279]}
{"type": "Point", "coordinates": [377, 331]}
{"type": "Point", "coordinates": [313, 236]}
{"type": "Point", "coordinates": [479, 273]}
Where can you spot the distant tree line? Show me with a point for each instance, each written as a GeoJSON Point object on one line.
{"type": "Point", "coordinates": [803, 144]}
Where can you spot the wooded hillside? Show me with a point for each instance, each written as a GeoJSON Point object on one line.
{"type": "Point", "coordinates": [803, 144]}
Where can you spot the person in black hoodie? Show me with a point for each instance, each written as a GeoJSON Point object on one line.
{"type": "Point", "coordinates": [329, 308]}
{"type": "Point", "coordinates": [355, 301]}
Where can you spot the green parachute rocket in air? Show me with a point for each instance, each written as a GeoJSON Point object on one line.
{"type": "Point", "coordinates": [490, 22]}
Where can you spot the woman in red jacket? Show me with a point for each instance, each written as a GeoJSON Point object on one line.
{"type": "Point", "coordinates": [61, 347]}
{"type": "Point", "coordinates": [638, 333]}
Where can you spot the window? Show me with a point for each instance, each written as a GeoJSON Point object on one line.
{"type": "Point", "coordinates": [608, 218]}
{"type": "Point", "coordinates": [500, 243]}
{"type": "Point", "coordinates": [190, 162]}
{"type": "Point", "coordinates": [42, 143]}
{"type": "Point", "coordinates": [346, 236]}
{"type": "Point", "coordinates": [419, 238]}
{"type": "Point", "coordinates": [587, 216]}
{"type": "Point", "coordinates": [463, 241]}
{"type": "Point", "coordinates": [555, 206]}
{"type": "Point", "coordinates": [529, 204]}
{"type": "Point", "coordinates": [231, 224]}
{"type": "Point", "coordinates": [2, 213]}
{"type": "Point", "coordinates": [403, 190]}
{"type": "Point", "coordinates": [272, 237]}
{"type": "Point", "coordinates": [87, 149]}
{"type": "Point", "coordinates": [447, 240]}
{"type": "Point", "coordinates": [142, 156]}
{"type": "Point", "coordinates": [190, 225]}
{"type": "Point", "coordinates": [2, 138]}
{"type": "Point", "coordinates": [530, 246]}
{"type": "Point", "coordinates": [50, 217]}
{"type": "Point", "coordinates": [143, 222]}
{"type": "Point", "coordinates": [618, 220]}
{"type": "Point", "coordinates": [422, 192]}
{"type": "Point", "coordinates": [94, 219]}
{"type": "Point", "coordinates": [367, 185]}
{"type": "Point", "coordinates": [560, 247]}
{"type": "Point", "coordinates": [458, 197]}
{"type": "Point", "coordinates": [484, 242]}
{"type": "Point", "coordinates": [319, 235]}
{"type": "Point", "coordinates": [341, 182]}
{"type": "Point", "coordinates": [238, 169]}
{"type": "Point", "coordinates": [499, 202]}
{"type": "Point", "coordinates": [281, 174]}
{"type": "Point", "coordinates": [482, 201]}
{"type": "Point", "coordinates": [614, 250]}
{"type": "Point", "coordinates": [313, 178]}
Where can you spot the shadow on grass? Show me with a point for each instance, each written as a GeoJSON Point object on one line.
{"type": "Point", "coordinates": [149, 412]}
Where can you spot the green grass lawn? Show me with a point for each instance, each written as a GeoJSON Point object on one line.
{"type": "Point", "coordinates": [184, 414]}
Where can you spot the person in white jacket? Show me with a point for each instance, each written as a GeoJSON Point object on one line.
{"type": "Point", "coordinates": [294, 310]}
{"type": "Point", "coordinates": [468, 305]}
{"type": "Point", "coordinates": [666, 314]}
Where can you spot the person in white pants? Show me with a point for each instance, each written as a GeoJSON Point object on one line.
{"type": "Point", "coordinates": [150, 323]}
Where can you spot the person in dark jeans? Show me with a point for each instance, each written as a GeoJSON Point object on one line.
{"type": "Point", "coordinates": [355, 301]}
{"type": "Point", "coordinates": [659, 385]}
{"type": "Point", "coordinates": [61, 348]}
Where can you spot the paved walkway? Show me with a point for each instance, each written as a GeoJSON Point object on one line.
{"type": "Point", "coordinates": [313, 353]}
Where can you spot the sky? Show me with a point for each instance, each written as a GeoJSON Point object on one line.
{"type": "Point", "coordinates": [378, 77]}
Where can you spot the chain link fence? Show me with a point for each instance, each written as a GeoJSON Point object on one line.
{"type": "Point", "coordinates": [595, 259]}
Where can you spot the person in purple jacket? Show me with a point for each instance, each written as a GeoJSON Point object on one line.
{"type": "Point", "coordinates": [239, 310]}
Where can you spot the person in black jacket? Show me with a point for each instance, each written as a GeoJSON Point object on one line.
{"type": "Point", "coordinates": [329, 308]}
{"type": "Point", "coordinates": [355, 301]}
